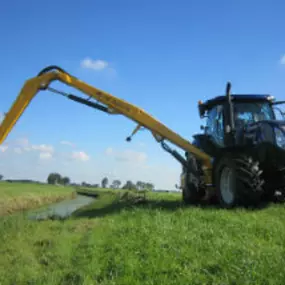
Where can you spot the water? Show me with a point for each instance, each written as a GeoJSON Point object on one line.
{"type": "Point", "coordinates": [61, 209]}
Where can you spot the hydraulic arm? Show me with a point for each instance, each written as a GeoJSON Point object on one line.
{"type": "Point", "coordinates": [109, 104]}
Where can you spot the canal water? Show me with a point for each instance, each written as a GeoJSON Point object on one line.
{"type": "Point", "coordinates": [61, 209]}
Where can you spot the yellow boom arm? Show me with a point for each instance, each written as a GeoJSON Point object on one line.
{"type": "Point", "coordinates": [113, 105]}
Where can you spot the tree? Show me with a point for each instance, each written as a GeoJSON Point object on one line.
{"type": "Point", "coordinates": [149, 186]}
{"type": "Point", "coordinates": [65, 180]}
{"type": "Point", "coordinates": [1, 177]}
{"type": "Point", "coordinates": [116, 184]}
{"type": "Point", "coordinates": [104, 182]}
{"type": "Point", "coordinates": [54, 178]}
{"type": "Point", "coordinates": [129, 185]}
{"type": "Point", "coordinates": [140, 185]}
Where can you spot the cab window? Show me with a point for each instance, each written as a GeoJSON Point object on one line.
{"type": "Point", "coordinates": [215, 124]}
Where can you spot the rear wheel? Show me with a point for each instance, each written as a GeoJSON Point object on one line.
{"type": "Point", "coordinates": [274, 185]}
{"type": "Point", "coordinates": [238, 181]}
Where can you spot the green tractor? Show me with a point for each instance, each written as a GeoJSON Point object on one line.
{"type": "Point", "coordinates": [245, 137]}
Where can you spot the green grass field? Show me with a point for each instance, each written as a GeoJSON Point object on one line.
{"type": "Point", "coordinates": [21, 196]}
{"type": "Point", "coordinates": [117, 241]}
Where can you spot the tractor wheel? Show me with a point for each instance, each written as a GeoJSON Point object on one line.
{"type": "Point", "coordinates": [273, 186]}
{"type": "Point", "coordinates": [191, 192]}
{"type": "Point", "coordinates": [269, 194]}
{"type": "Point", "coordinates": [238, 181]}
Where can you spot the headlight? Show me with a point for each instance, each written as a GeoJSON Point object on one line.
{"type": "Point", "coordinates": [280, 137]}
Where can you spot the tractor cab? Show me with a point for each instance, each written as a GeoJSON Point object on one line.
{"type": "Point", "coordinates": [247, 109]}
{"type": "Point", "coordinates": [235, 120]}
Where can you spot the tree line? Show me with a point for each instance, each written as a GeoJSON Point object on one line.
{"type": "Point", "coordinates": [56, 178]}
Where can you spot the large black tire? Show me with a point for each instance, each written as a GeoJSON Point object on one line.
{"type": "Point", "coordinates": [238, 181]}
{"type": "Point", "coordinates": [192, 192]}
{"type": "Point", "coordinates": [274, 186]}
{"type": "Point", "coordinates": [269, 194]}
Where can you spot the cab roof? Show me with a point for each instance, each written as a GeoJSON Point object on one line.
{"type": "Point", "coordinates": [203, 107]}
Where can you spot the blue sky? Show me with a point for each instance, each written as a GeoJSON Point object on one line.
{"type": "Point", "coordinates": [162, 56]}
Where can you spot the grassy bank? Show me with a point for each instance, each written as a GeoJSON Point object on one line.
{"type": "Point", "coordinates": [21, 196]}
{"type": "Point", "coordinates": [123, 240]}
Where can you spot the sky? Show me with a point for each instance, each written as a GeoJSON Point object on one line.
{"type": "Point", "coordinates": [162, 56]}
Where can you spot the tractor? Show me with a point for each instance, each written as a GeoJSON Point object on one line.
{"type": "Point", "coordinates": [245, 137]}
{"type": "Point", "coordinates": [238, 159]}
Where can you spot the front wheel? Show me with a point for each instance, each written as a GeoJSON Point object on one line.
{"type": "Point", "coordinates": [238, 181]}
{"type": "Point", "coordinates": [228, 194]}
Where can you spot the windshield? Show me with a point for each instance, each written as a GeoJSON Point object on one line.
{"type": "Point", "coordinates": [279, 110]}
{"type": "Point", "coordinates": [253, 112]}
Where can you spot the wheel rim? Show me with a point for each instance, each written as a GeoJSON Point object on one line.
{"type": "Point", "coordinates": [226, 185]}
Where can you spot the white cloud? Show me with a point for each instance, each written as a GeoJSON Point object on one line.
{"type": "Point", "coordinates": [45, 155]}
{"type": "Point", "coordinates": [282, 59]}
{"type": "Point", "coordinates": [44, 151]}
{"type": "Point", "coordinates": [43, 148]}
{"type": "Point", "coordinates": [67, 143]}
{"type": "Point", "coordinates": [22, 145]}
{"type": "Point", "coordinates": [97, 64]}
{"type": "Point", "coordinates": [36, 161]}
{"type": "Point", "coordinates": [80, 155]}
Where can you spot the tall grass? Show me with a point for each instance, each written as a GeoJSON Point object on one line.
{"type": "Point", "coordinates": [121, 240]}
{"type": "Point", "coordinates": [21, 196]}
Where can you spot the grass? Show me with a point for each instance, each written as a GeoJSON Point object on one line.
{"type": "Point", "coordinates": [21, 196]}
{"type": "Point", "coordinates": [120, 239]}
